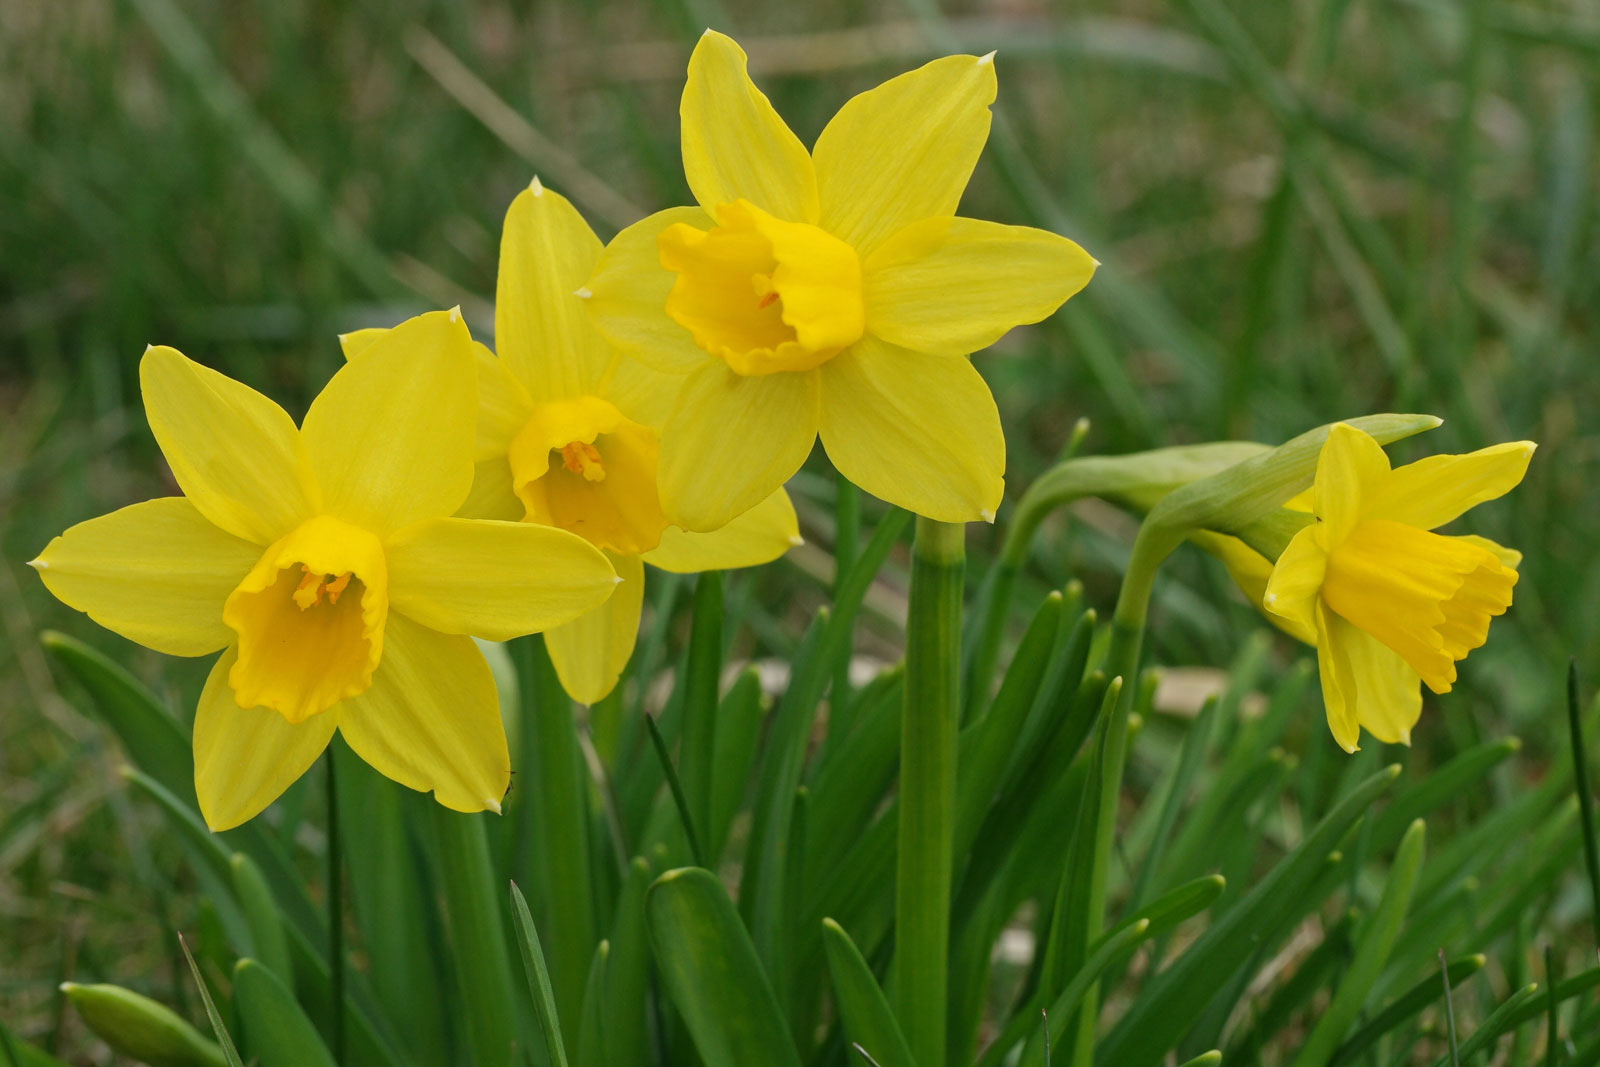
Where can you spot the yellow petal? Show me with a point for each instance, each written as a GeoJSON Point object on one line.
{"type": "Point", "coordinates": [904, 150]}
{"type": "Point", "coordinates": [921, 432]}
{"type": "Point", "coordinates": [495, 580]}
{"type": "Point", "coordinates": [244, 758]}
{"type": "Point", "coordinates": [431, 720]}
{"type": "Point", "coordinates": [541, 330]}
{"type": "Point", "coordinates": [502, 402]}
{"type": "Point", "coordinates": [628, 294]}
{"type": "Point", "coordinates": [1387, 692]}
{"type": "Point", "coordinates": [1250, 571]}
{"type": "Point", "coordinates": [1294, 589]}
{"type": "Point", "coordinates": [492, 496]}
{"type": "Point", "coordinates": [760, 535]}
{"type": "Point", "coordinates": [734, 144]}
{"type": "Point", "coordinates": [642, 393]}
{"type": "Point", "coordinates": [1509, 558]}
{"type": "Point", "coordinates": [235, 454]}
{"type": "Point", "coordinates": [1435, 490]}
{"type": "Point", "coordinates": [1350, 469]}
{"type": "Point", "coordinates": [591, 651]}
{"type": "Point", "coordinates": [732, 440]}
{"type": "Point", "coordinates": [503, 406]}
{"type": "Point", "coordinates": [391, 435]}
{"type": "Point", "coordinates": [1338, 692]}
{"type": "Point", "coordinates": [952, 286]}
{"type": "Point", "coordinates": [156, 573]}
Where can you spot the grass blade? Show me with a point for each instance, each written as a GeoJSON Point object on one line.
{"type": "Point", "coordinates": [544, 1001]}
{"type": "Point", "coordinates": [229, 1052]}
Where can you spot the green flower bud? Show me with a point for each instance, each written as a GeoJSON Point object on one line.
{"type": "Point", "coordinates": [142, 1029]}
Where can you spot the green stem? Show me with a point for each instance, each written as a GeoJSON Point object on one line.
{"type": "Point", "coordinates": [335, 910]}
{"type": "Point", "coordinates": [846, 544]}
{"type": "Point", "coordinates": [929, 719]}
{"type": "Point", "coordinates": [561, 821]}
{"type": "Point", "coordinates": [698, 736]}
{"type": "Point", "coordinates": [1152, 546]}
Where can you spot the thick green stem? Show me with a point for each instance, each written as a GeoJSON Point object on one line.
{"type": "Point", "coordinates": [560, 797]}
{"type": "Point", "coordinates": [335, 910]}
{"type": "Point", "coordinates": [930, 716]}
{"type": "Point", "coordinates": [846, 545]}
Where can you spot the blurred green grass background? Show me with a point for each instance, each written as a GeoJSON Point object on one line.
{"type": "Point", "coordinates": [1306, 210]}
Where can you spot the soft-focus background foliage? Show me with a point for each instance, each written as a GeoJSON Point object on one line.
{"type": "Point", "coordinates": [1306, 210]}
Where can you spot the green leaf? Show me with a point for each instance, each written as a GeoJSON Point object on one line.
{"type": "Point", "coordinates": [591, 1028]}
{"type": "Point", "coordinates": [1372, 952]}
{"type": "Point", "coordinates": [229, 1052]}
{"type": "Point", "coordinates": [1405, 1007]}
{"type": "Point", "coordinates": [709, 967]}
{"type": "Point", "coordinates": [1064, 1009]}
{"type": "Point", "coordinates": [1515, 1010]}
{"type": "Point", "coordinates": [738, 733]}
{"type": "Point", "coordinates": [142, 1029]}
{"type": "Point", "coordinates": [267, 939]}
{"type": "Point", "coordinates": [545, 1017]}
{"type": "Point", "coordinates": [276, 1030]}
{"type": "Point", "coordinates": [697, 747]}
{"type": "Point", "coordinates": [868, 1020]}
{"type": "Point", "coordinates": [1173, 999]}
{"type": "Point", "coordinates": [628, 972]}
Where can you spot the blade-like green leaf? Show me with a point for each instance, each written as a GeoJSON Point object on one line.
{"type": "Point", "coordinates": [591, 1028]}
{"type": "Point", "coordinates": [230, 1054]}
{"type": "Point", "coordinates": [1405, 1007]}
{"type": "Point", "coordinates": [268, 943]}
{"type": "Point", "coordinates": [545, 1018]}
{"type": "Point", "coordinates": [709, 968]}
{"type": "Point", "coordinates": [868, 1020]}
{"type": "Point", "coordinates": [276, 1031]}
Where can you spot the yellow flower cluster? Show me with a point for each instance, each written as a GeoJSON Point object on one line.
{"type": "Point", "coordinates": [647, 403]}
{"type": "Point", "coordinates": [649, 399]}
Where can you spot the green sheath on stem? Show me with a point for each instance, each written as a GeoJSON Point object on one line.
{"type": "Point", "coordinates": [929, 719]}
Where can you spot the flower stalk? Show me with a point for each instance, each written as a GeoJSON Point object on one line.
{"type": "Point", "coordinates": [930, 716]}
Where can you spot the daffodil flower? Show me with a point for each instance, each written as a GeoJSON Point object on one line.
{"type": "Point", "coordinates": [324, 562]}
{"type": "Point", "coordinates": [1390, 605]}
{"type": "Point", "coordinates": [830, 292]}
{"type": "Point", "coordinates": [567, 437]}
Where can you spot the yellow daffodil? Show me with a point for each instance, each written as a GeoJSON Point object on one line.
{"type": "Point", "coordinates": [567, 436]}
{"type": "Point", "coordinates": [830, 292]}
{"type": "Point", "coordinates": [324, 561]}
{"type": "Point", "coordinates": [1390, 605]}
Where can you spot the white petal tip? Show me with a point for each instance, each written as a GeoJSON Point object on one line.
{"type": "Point", "coordinates": [38, 564]}
{"type": "Point", "coordinates": [491, 804]}
{"type": "Point", "coordinates": [455, 313]}
{"type": "Point", "coordinates": [536, 187]}
{"type": "Point", "coordinates": [986, 515]}
{"type": "Point", "coordinates": [707, 32]}
{"type": "Point", "coordinates": [583, 292]}
{"type": "Point", "coordinates": [148, 347]}
{"type": "Point", "coordinates": [984, 61]}
{"type": "Point", "coordinates": [616, 579]}
{"type": "Point", "coordinates": [1096, 262]}
{"type": "Point", "coordinates": [795, 540]}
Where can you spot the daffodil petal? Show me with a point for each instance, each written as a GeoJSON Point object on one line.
{"type": "Point", "coordinates": [492, 495]}
{"type": "Point", "coordinates": [1387, 691]}
{"type": "Point", "coordinates": [734, 144]}
{"type": "Point", "coordinates": [628, 294]}
{"type": "Point", "coordinates": [494, 580]}
{"type": "Point", "coordinates": [904, 150]}
{"type": "Point", "coordinates": [503, 406]}
{"type": "Point", "coordinates": [1438, 489]}
{"type": "Point", "coordinates": [431, 720]}
{"type": "Point", "coordinates": [1350, 469]}
{"type": "Point", "coordinates": [390, 437]}
{"type": "Point", "coordinates": [1294, 589]}
{"type": "Point", "coordinates": [641, 392]}
{"type": "Point", "coordinates": [951, 286]}
{"type": "Point", "coordinates": [1251, 571]}
{"type": "Point", "coordinates": [1338, 692]}
{"type": "Point", "coordinates": [1508, 557]}
{"type": "Point", "coordinates": [244, 758]}
{"type": "Point", "coordinates": [355, 342]}
{"type": "Point", "coordinates": [591, 651]}
{"type": "Point", "coordinates": [155, 572]}
{"type": "Point", "coordinates": [731, 441]}
{"type": "Point", "coordinates": [919, 431]}
{"type": "Point", "coordinates": [759, 536]}
{"type": "Point", "coordinates": [541, 330]}
{"type": "Point", "coordinates": [235, 454]}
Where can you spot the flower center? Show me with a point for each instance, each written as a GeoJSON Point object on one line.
{"type": "Point", "coordinates": [310, 617]}
{"type": "Point", "coordinates": [583, 458]}
{"type": "Point", "coordinates": [763, 294]}
{"type": "Point", "coordinates": [582, 465]}
{"type": "Point", "coordinates": [1427, 596]}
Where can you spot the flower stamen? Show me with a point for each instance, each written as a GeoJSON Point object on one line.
{"type": "Point", "coordinates": [583, 458]}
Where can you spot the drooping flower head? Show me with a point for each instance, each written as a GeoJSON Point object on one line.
{"type": "Point", "coordinates": [567, 437]}
{"type": "Point", "coordinates": [1390, 604]}
{"type": "Point", "coordinates": [830, 292]}
{"type": "Point", "coordinates": [324, 562]}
